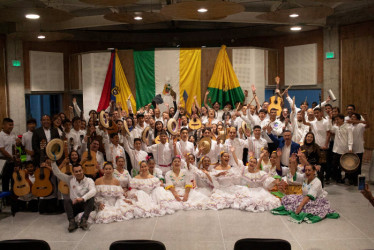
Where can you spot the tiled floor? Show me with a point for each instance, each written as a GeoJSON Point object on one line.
{"type": "Point", "coordinates": [210, 229]}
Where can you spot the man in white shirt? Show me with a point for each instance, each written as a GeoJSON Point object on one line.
{"type": "Point", "coordinates": [27, 138]}
{"type": "Point", "coordinates": [184, 147]}
{"type": "Point", "coordinates": [139, 128]}
{"type": "Point", "coordinates": [82, 191]}
{"type": "Point", "coordinates": [257, 143]}
{"type": "Point", "coordinates": [113, 149]}
{"type": "Point", "coordinates": [238, 144]}
{"type": "Point", "coordinates": [136, 155]}
{"type": "Point", "coordinates": [162, 152]}
{"type": "Point", "coordinates": [7, 141]}
{"type": "Point", "coordinates": [76, 134]}
{"type": "Point", "coordinates": [342, 144]}
{"type": "Point", "coordinates": [215, 149]}
{"type": "Point", "coordinates": [94, 146]}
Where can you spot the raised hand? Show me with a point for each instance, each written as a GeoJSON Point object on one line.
{"type": "Point", "coordinates": [279, 152]}
{"type": "Point", "coordinates": [207, 92]}
{"type": "Point", "coordinates": [277, 80]}
{"type": "Point", "coordinates": [253, 89]}
{"type": "Point", "coordinates": [246, 93]}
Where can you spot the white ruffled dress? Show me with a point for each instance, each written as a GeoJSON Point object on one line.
{"type": "Point", "coordinates": [115, 209]}
{"type": "Point", "coordinates": [257, 197]}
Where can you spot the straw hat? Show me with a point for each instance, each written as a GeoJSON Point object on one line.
{"type": "Point", "coordinates": [205, 142]}
{"type": "Point", "coordinates": [172, 126]}
{"type": "Point", "coordinates": [145, 134]}
{"type": "Point", "coordinates": [55, 149]}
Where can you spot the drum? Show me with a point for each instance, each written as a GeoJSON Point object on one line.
{"type": "Point", "coordinates": [349, 162]}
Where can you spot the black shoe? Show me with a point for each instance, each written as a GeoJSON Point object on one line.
{"type": "Point", "coordinates": [327, 182]}
{"type": "Point", "coordinates": [72, 225]}
{"type": "Point", "coordinates": [83, 224]}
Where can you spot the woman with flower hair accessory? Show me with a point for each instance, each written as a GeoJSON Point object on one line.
{"type": "Point", "coordinates": [153, 170]}
{"type": "Point", "coordinates": [178, 182]}
{"type": "Point", "coordinates": [121, 174]}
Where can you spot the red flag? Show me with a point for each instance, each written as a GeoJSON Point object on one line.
{"type": "Point", "coordinates": [105, 94]}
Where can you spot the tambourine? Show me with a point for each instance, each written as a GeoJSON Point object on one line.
{"type": "Point", "coordinates": [104, 119]}
{"type": "Point", "coordinates": [55, 149]}
{"type": "Point", "coordinates": [145, 134]}
{"type": "Point", "coordinates": [172, 126]}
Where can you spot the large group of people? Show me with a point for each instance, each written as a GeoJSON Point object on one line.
{"type": "Point", "coordinates": [151, 163]}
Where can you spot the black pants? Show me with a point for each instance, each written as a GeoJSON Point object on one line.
{"type": "Point", "coordinates": [336, 167]}
{"type": "Point", "coordinates": [73, 209]}
{"type": "Point", "coordinates": [353, 177]}
{"type": "Point", "coordinates": [7, 175]}
{"type": "Point", "coordinates": [330, 161]}
{"type": "Point", "coordinates": [29, 206]}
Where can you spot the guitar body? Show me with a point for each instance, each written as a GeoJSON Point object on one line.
{"type": "Point", "coordinates": [194, 124]}
{"type": "Point", "coordinates": [63, 187]}
{"type": "Point", "coordinates": [42, 186]}
{"type": "Point", "coordinates": [275, 102]}
{"type": "Point", "coordinates": [20, 187]}
{"type": "Point", "coordinates": [89, 167]}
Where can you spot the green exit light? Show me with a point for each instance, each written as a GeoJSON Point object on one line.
{"type": "Point", "coordinates": [16, 63]}
{"type": "Point", "coordinates": [330, 55]}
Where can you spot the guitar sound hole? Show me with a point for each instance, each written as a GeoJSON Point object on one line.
{"type": "Point", "coordinates": [21, 186]}
{"type": "Point", "coordinates": [41, 188]}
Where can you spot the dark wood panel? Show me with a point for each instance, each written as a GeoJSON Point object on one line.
{"type": "Point", "coordinates": [357, 60]}
{"type": "Point", "coordinates": [208, 60]}
{"type": "Point", "coordinates": [3, 84]}
{"type": "Point", "coordinates": [74, 71]}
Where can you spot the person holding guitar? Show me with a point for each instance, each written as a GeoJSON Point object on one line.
{"type": "Point", "coordinates": [81, 195]}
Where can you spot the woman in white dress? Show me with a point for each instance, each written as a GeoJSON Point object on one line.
{"type": "Point", "coordinates": [121, 174]}
{"type": "Point", "coordinates": [226, 180]}
{"type": "Point", "coordinates": [258, 198]}
{"type": "Point", "coordinates": [109, 200]}
{"type": "Point", "coordinates": [142, 187]}
{"type": "Point", "coordinates": [202, 178]}
{"type": "Point", "coordinates": [156, 172]}
{"type": "Point", "coordinates": [178, 182]}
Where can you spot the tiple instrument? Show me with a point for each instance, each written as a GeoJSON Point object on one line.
{"type": "Point", "coordinates": [194, 124]}
{"type": "Point", "coordinates": [89, 161]}
{"type": "Point", "coordinates": [66, 169]}
{"type": "Point", "coordinates": [21, 186]}
{"type": "Point", "coordinates": [276, 102]}
{"type": "Point", "coordinates": [42, 186]}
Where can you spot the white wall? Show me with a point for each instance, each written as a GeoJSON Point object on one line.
{"type": "Point", "coordinates": [16, 85]}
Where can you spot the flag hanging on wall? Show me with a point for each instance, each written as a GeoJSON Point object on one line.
{"type": "Point", "coordinates": [115, 88]}
{"type": "Point", "coordinates": [224, 85]}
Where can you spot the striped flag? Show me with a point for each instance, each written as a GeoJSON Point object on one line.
{"type": "Point", "coordinates": [115, 88]}
{"type": "Point", "coordinates": [224, 85]}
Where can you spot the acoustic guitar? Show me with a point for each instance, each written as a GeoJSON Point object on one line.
{"type": "Point", "coordinates": [89, 165]}
{"type": "Point", "coordinates": [42, 186]}
{"type": "Point", "coordinates": [276, 101]}
{"type": "Point", "coordinates": [194, 124]}
{"type": "Point", "coordinates": [21, 186]}
{"type": "Point", "coordinates": [66, 169]}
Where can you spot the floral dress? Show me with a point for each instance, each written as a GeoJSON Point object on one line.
{"type": "Point", "coordinates": [124, 178]}
{"type": "Point", "coordinates": [196, 200]}
{"type": "Point", "coordinates": [227, 192]}
{"type": "Point", "coordinates": [258, 198]}
{"type": "Point", "coordinates": [143, 192]}
{"type": "Point", "coordinates": [317, 208]}
{"type": "Point", "coordinates": [115, 208]}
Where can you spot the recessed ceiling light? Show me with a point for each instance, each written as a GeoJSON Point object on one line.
{"type": "Point", "coordinates": [41, 37]}
{"type": "Point", "coordinates": [295, 28]}
{"type": "Point", "coordinates": [202, 10]}
{"type": "Point", "coordinates": [138, 18]}
{"type": "Point", "coordinates": [294, 15]}
{"type": "Point", "coordinates": [32, 16]}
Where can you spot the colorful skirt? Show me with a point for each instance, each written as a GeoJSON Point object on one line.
{"type": "Point", "coordinates": [312, 212]}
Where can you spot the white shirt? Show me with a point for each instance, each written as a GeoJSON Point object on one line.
{"type": "Point", "coordinates": [113, 151]}
{"type": "Point", "coordinates": [214, 152]}
{"type": "Point", "coordinates": [162, 153]}
{"type": "Point", "coordinates": [299, 129]}
{"type": "Point", "coordinates": [239, 145]}
{"type": "Point", "coordinates": [256, 145]}
{"type": "Point", "coordinates": [136, 156]}
{"type": "Point", "coordinates": [47, 133]}
{"type": "Point", "coordinates": [320, 129]}
{"type": "Point", "coordinates": [184, 147]}
{"type": "Point", "coordinates": [358, 138]}
{"type": "Point", "coordinates": [343, 141]}
{"type": "Point", "coordinates": [7, 142]}
{"type": "Point", "coordinates": [76, 135]}
{"type": "Point", "coordinates": [285, 158]}
{"type": "Point", "coordinates": [84, 189]}
{"type": "Point", "coordinates": [219, 114]}
{"type": "Point", "coordinates": [27, 143]}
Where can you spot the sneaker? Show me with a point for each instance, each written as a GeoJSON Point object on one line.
{"type": "Point", "coordinates": [83, 224]}
{"type": "Point", "coordinates": [72, 225]}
